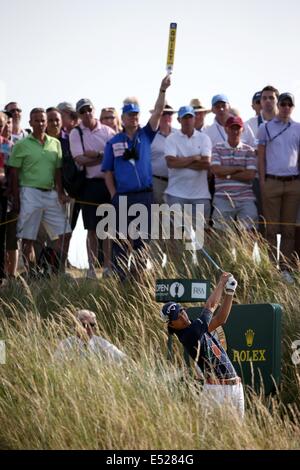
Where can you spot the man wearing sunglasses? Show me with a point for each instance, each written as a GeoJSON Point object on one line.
{"type": "Point", "coordinates": [16, 112]}
{"type": "Point", "coordinates": [37, 191]}
{"type": "Point", "coordinates": [109, 117]}
{"type": "Point", "coordinates": [87, 146]}
{"type": "Point", "coordinates": [85, 342]}
{"type": "Point", "coordinates": [278, 164]}
{"type": "Point", "coordinates": [221, 382]}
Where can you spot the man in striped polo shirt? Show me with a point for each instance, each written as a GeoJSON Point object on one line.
{"type": "Point", "coordinates": [234, 165]}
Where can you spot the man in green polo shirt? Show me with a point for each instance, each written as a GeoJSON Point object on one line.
{"type": "Point", "coordinates": [37, 190]}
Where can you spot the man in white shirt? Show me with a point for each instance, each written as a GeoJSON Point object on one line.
{"type": "Point", "coordinates": [188, 154]}
{"type": "Point", "coordinates": [159, 165]}
{"type": "Point", "coordinates": [256, 106]}
{"type": "Point", "coordinates": [221, 108]}
{"type": "Point", "coordinates": [86, 343]}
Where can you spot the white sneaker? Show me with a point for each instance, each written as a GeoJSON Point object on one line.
{"type": "Point", "coordinates": [91, 273]}
{"type": "Point", "coordinates": [287, 277]}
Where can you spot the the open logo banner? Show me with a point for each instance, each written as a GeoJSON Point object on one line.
{"type": "Point", "coordinates": [182, 290]}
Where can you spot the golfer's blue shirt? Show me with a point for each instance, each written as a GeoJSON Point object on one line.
{"type": "Point", "coordinates": [199, 343]}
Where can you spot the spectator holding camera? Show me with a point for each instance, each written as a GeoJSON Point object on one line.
{"type": "Point", "coordinates": [127, 167]}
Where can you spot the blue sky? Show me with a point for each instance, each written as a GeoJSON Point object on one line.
{"type": "Point", "coordinates": [68, 49]}
{"type": "Point", "coordinates": [64, 50]}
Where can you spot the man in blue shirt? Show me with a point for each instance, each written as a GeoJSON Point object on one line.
{"type": "Point", "coordinates": [220, 378]}
{"type": "Point", "coordinates": [127, 167]}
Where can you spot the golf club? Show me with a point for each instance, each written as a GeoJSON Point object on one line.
{"type": "Point", "coordinates": [211, 260]}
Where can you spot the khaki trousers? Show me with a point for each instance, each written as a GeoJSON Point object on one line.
{"type": "Point", "coordinates": [281, 200]}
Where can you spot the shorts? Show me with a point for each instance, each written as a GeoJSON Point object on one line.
{"type": "Point", "coordinates": [94, 193]}
{"type": "Point", "coordinates": [41, 206]}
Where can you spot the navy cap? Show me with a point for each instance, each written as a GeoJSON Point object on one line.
{"type": "Point", "coordinates": [286, 96]}
{"type": "Point", "coordinates": [256, 96]}
{"type": "Point", "coordinates": [219, 98]}
{"type": "Point", "coordinates": [185, 110]}
{"type": "Point", "coordinates": [131, 108]}
{"type": "Point", "coordinates": [170, 311]}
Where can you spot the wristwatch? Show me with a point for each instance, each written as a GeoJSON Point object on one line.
{"type": "Point", "coordinates": [228, 177]}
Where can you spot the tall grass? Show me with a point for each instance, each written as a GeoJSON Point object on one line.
{"type": "Point", "coordinates": [148, 402]}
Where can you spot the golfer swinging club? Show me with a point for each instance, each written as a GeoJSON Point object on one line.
{"type": "Point", "coordinates": [220, 378]}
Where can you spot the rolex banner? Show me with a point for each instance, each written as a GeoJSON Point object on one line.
{"type": "Point", "coordinates": [252, 339]}
{"type": "Point", "coordinates": [253, 336]}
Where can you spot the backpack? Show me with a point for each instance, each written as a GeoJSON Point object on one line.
{"type": "Point", "coordinates": [73, 178]}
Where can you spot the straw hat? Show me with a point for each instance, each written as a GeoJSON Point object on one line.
{"type": "Point", "coordinates": [198, 106]}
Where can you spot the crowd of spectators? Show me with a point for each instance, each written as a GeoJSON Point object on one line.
{"type": "Point", "coordinates": [244, 172]}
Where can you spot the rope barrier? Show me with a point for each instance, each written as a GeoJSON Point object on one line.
{"type": "Point", "coordinates": [292, 224]}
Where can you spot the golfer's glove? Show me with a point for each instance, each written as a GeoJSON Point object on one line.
{"type": "Point", "coordinates": [230, 286]}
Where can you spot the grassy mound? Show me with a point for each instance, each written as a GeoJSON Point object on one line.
{"type": "Point", "coordinates": [147, 403]}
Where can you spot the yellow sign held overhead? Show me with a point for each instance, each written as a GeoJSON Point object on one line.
{"type": "Point", "coordinates": [171, 47]}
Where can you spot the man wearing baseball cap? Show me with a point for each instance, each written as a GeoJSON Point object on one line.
{"type": "Point", "coordinates": [69, 116]}
{"type": "Point", "coordinates": [278, 160]}
{"type": "Point", "coordinates": [251, 126]}
{"type": "Point", "coordinates": [234, 166]}
{"type": "Point", "coordinates": [256, 105]}
{"type": "Point", "coordinates": [221, 109]}
{"type": "Point", "coordinates": [188, 154]}
{"type": "Point", "coordinates": [221, 381]}
{"type": "Point", "coordinates": [128, 172]}
{"type": "Point", "coordinates": [87, 143]}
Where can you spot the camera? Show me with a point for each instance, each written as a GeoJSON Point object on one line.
{"type": "Point", "coordinates": [131, 154]}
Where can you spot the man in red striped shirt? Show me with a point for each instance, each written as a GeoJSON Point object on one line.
{"type": "Point", "coordinates": [234, 166]}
